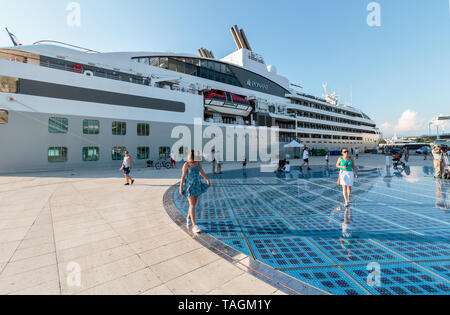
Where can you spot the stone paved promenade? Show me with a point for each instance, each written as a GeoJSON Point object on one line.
{"type": "Point", "coordinates": [121, 237]}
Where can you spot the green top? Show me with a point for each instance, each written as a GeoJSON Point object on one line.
{"type": "Point", "coordinates": [347, 166]}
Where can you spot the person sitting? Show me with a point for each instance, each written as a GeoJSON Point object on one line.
{"type": "Point", "coordinates": [287, 167]}
{"type": "Point", "coordinates": [281, 165]}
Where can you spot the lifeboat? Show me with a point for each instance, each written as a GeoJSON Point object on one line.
{"type": "Point", "coordinates": [227, 103]}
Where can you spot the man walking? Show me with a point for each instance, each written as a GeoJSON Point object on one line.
{"type": "Point", "coordinates": [126, 168]}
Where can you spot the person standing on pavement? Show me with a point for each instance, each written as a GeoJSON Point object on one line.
{"type": "Point", "coordinates": [347, 175]}
{"type": "Point", "coordinates": [173, 163]}
{"type": "Point", "coordinates": [438, 161]}
{"type": "Point", "coordinates": [126, 168]}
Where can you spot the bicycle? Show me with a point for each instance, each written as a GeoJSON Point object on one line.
{"type": "Point", "coordinates": [163, 164]}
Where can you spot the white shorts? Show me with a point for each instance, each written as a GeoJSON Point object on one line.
{"type": "Point", "coordinates": [347, 178]}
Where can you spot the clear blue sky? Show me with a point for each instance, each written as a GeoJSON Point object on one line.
{"type": "Point", "coordinates": [404, 64]}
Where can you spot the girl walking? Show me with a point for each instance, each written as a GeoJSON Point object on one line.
{"type": "Point", "coordinates": [192, 187]}
{"type": "Point", "coordinates": [347, 175]}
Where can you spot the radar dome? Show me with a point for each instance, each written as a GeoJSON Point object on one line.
{"type": "Point", "coordinates": [272, 69]}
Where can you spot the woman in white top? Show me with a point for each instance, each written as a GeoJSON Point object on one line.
{"type": "Point", "coordinates": [126, 168]}
{"type": "Point", "coordinates": [305, 158]}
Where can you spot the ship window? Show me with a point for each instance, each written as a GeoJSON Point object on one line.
{"type": "Point", "coordinates": [143, 153]}
{"type": "Point", "coordinates": [119, 128]}
{"type": "Point", "coordinates": [210, 65]}
{"type": "Point", "coordinates": [181, 67]}
{"type": "Point", "coordinates": [143, 130]}
{"type": "Point", "coordinates": [3, 117]}
{"type": "Point", "coordinates": [58, 125]}
{"type": "Point", "coordinates": [154, 61]}
{"type": "Point", "coordinates": [91, 127]}
{"type": "Point", "coordinates": [203, 73]}
{"type": "Point", "coordinates": [164, 62]}
{"type": "Point", "coordinates": [191, 70]}
{"type": "Point", "coordinates": [91, 154]}
{"type": "Point", "coordinates": [8, 84]}
{"type": "Point", "coordinates": [217, 66]}
{"type": "Point", "coordinates": [172, 65]}
{"type": "Point", "coordinates": [223, 68]}
{"type": "Point", "coordinates": [57, 154]}
{"type": "Point", "coordinates": [164, 152]}
{"type": "Point", "coordinates": [117, 153]}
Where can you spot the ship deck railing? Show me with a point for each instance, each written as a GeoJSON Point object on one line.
{"type": "Point", "coordinates": [96, 71]}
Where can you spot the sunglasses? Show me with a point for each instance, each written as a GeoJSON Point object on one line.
{"type": "Point", "coordinates": [344, 151]}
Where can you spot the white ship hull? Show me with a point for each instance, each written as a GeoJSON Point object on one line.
{"type": "Point", "coordinates": [25, 138]}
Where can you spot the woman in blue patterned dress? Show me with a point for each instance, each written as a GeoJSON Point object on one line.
{"type": "Point", "coordinates": [192, 187]}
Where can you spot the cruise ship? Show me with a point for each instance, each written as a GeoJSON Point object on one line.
{"type": "Point", "coordinates": [65, 107]}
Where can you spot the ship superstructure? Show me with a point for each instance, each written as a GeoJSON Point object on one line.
{"type": "Point", "coordinates": [64, 105]}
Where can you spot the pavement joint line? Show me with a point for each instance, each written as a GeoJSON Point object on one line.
{"type": "Point", "coordinates": [235, 261]}
{"type": "Point", "coordinates": [391, 250]}
{"type": "Point", "coordinates": [118, 234]}
{"type": "Point", "coordinates": [393, 207]}
{"type": "Point", "coordinates": [103, 283]}
{"type": "Point", "coordinates": [411, 193]}
{"type": "Point", "coordinates": [306, 239]}
{"type": "Point", "coordinates": [375, 192]}
{"type": "Point", "coordinates": [411, 261]}
{"type": "Point", "coordinates": [239, 224]}
{"type": "Point", "coordinates": [365, 212]}
{"type": "Point", "coordinates": [29, 229]}
{"type": "Point", "coordinates": [32, 287]}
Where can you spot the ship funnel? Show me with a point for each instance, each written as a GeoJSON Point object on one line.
{"type": "Point", "coordinates": [236, 37]}
{"type": "Point", "coordinates": [205, 53]}
{"type": "Point", "coordinates": [240, 38]}
{"type": "Point", "coordinates": [244, 38]}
